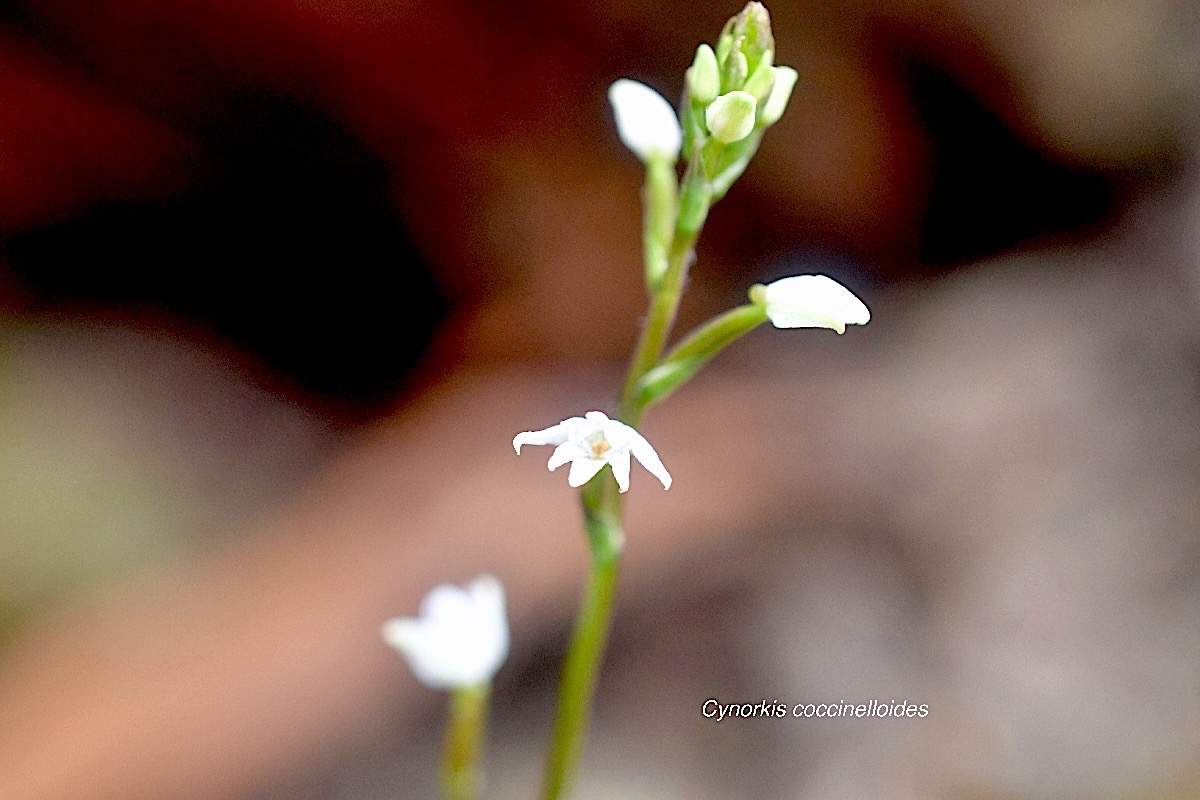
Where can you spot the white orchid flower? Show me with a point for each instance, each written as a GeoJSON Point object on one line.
{"type": "Point", "coordinates": [591, 441]}
{"type": "Point", "coordinates": [646, 122]}
{"type": "Point", "coordinates": [810, 301]}
{"type": "Point", "coordinates": [460, 638]}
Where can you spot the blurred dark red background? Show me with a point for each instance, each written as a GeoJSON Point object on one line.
{"type": "Point", "coordinates": [253, 168]}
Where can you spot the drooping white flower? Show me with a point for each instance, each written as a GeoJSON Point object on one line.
{"type": "Point", "coordinates": [591, 441]}
{"type": "Point", "coordinates": [811, 301]}
{"type": "Point", "coordinates": [646, 122]}
{"type": "Point", "coordinates": [460, 638]}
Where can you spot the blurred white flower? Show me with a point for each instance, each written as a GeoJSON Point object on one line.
{"type": "Point", "coordinates": [591, 441]}
{"type": "Point", "coordinates": [460, 638]}
{"type": "Point", "coordinates": [646, 122]}
{"type": "Point", "coordinates": [811, 301]}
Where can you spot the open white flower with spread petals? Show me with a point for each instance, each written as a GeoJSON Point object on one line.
{"type": "Point", "coordinates": [646, 122]}
{"type": "Point", "coordinates": [460, 638]}
{"type": "Point", "coordinates": [591, 441]}
{"type": "Point", "coordinates": [810, 301]}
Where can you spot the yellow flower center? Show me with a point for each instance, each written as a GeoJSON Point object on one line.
{"type": "Point", "coordinates": [598, 444]}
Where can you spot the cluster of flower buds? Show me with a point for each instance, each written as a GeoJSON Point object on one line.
{"type": "Point", "coordinates": [733, 94]}
{"type": "Point", "coordinates": [736, 90]}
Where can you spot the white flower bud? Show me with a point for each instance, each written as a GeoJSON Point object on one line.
{"type": "Point", "coordinates": [761, 82]}
{"type": "Point", "coordinates": [781, 92]}
{"type": "Point", "coordinates": [704, 76]}
{"type": "Point", "coordinates": [646, 122]}
{"type": "Point", "coordinates": [730, 118]}
{"type": "Point", "coordinates": [810, 301]}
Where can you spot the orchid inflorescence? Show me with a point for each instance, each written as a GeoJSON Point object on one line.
{"type": "Point", "coordinates": [733, 93]}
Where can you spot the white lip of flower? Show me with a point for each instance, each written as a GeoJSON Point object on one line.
{"type": "Point", "coordinates": [811, 301]}
{"type": "Point", "coordinates": [460, 638]}
{"type": "Point", "coordinates": [646, 122]}
{"type": "Point", "coordinates": [591, 441]}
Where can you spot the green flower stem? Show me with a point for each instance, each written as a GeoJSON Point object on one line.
{"type": "Point", "coordinates": [697, 348]}
{"type": "Point", "coordinates": [658, 218]}
{"type": "Point", "coordinates": [735, 161]}
{"type": "Point", "coordinates": [602, 515]}
{"type": "Point", "coordinates": [681, 213]}
{"type": "Point", "coordinates": [602, 509]}
{"type": "Point", "coordinates": [719, 332]}
{"type": "Point", "coordinates": [694, 202]}
{"type": "Point", "coordinates": [465, 733]}
{"type": "Point", "coordinates": [601, 500]}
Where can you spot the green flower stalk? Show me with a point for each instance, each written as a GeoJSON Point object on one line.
{"type": "Point", "coordinates": [462, 750]}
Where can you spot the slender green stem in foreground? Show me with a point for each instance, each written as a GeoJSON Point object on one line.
{"type": "Point", "coordinates": [663, 307]}
{"type": "Point", "coordinates": [602, 513]}
{"type": "Point", "coordinates": [465, 733]}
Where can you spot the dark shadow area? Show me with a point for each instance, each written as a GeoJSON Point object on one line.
{"type": "Point", "coordinates": [990, 191]}
{"type": "Point", "coordinates": [289, 247]}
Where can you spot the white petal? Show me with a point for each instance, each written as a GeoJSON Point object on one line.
{"type": "Point", "coordinates": [649, 458]}
{"type": "Point", "coordinates": [555, 434]}
{"type": "Point", "coordinates": [813, 301]}
{"type": "Point", "coordinates": [584, 469]}
{"type": "Point", "coordinates": [491, 637]}
{"type": "Point", "coordinates": [616, 433]}
{"type": "Point", "coordinates": [646, 122]}
{"type": "Point", "coordinates": [567, 451]}
{"type": "Point", "coordinates": [620, 467]}
{"type": "Point", "coordinates": [783, 318]}
{"type": "Point", "coordinates": [402, 633]}
{"type": "Point", "coordinates": [486, 594]}
{"type": "Point", "coordinates": [445, 604]}
{"type": "Point", "coordinates": [423, 649]}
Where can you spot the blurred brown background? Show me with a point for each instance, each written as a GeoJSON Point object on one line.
{"type": "Point", "coordinates": [282, 278]}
